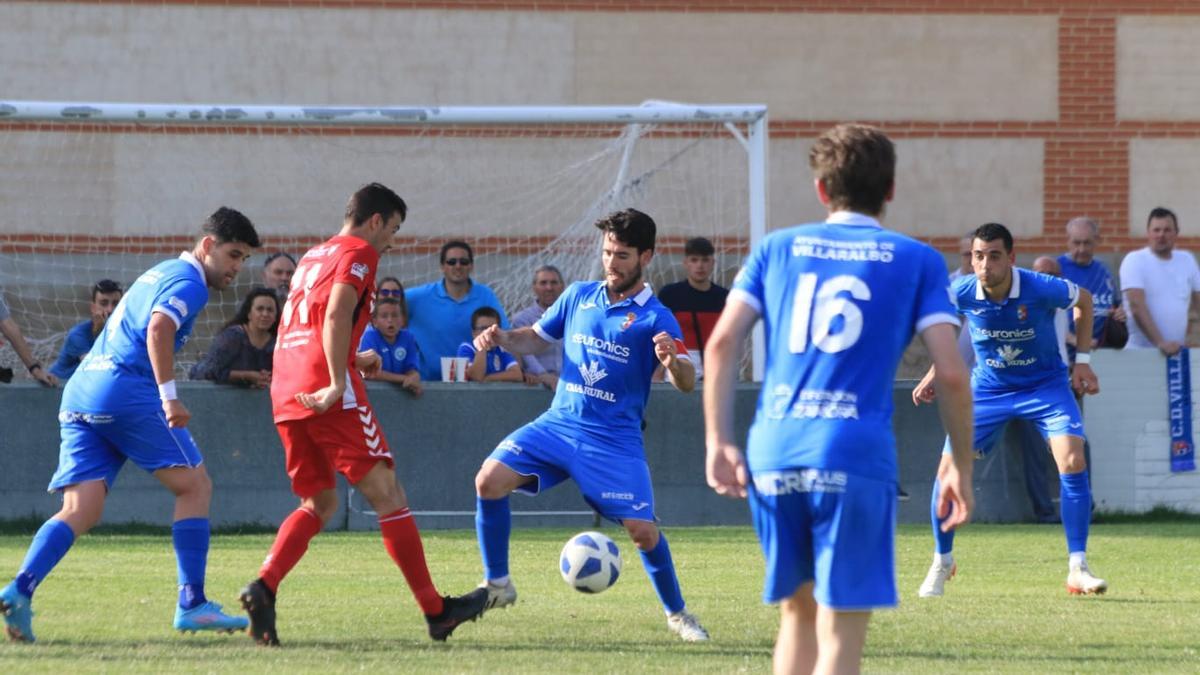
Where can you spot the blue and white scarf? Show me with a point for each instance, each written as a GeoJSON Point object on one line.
{"type": "Point", "coordinates": [1179, 406]}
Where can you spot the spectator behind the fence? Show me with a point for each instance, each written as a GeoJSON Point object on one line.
{"type": "Point", "coordinates": [1159, 282]}
{"type": "Point", "coordinates": [105, 296]}
{"type": "Point", "coordinates": [242, 352]}
{"type": "Point", "coordinates": [390, 287]}
{"type": "Point", "coordinates": [1079, 265]}
{"type": "Point", "coordinates": [11, 331]}
{"type": "Point", "coordinates": [439, 313]}
{"type": "Point", "coordinates": [277, 273]}
{"type": "Point", "coordinates": [696, 301]}
{"type": "Point", "coordinates": [387, 336]}
{"type": "Point", "coordinates": [494, 365]}
{"type": "Point", "coordinates": [542, 367]}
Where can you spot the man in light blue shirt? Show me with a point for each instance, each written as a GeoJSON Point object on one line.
{"type": "Point", "coordinates": [439, 313]}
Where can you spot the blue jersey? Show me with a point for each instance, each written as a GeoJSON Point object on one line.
{"type": "Point", "coordinates": [608, 357]}
{"type": "Point", "coordinates": [1099, 282]}
{"type": "Point", "coordinates": [399, 356]}
{"type": "Point", "coordinates": [840, 302]}
{"type": "Point", "coordinates": [79, 341]}
{"type": "Point", "coordinates": [1016, 346]}
{"type": "Point", "coordinates": [116, 374]}
{"type": "Point", "coordinates": [498, 360]}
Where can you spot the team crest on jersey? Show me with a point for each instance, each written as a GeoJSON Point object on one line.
{"type": "Point", "coordinates": [1022, 312]}
{"type": "Point", "coordinates": [629, 319]}
{"type": "Point", "coordinates": [359, 270]}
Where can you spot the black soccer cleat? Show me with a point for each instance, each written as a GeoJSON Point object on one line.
{"type": "Point", "coordinates": [259, 603]}
{"type": "Point", "coordinates": [456, 610]}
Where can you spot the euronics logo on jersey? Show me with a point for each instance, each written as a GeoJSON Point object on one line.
{"type": "Point", "coordinates": [776, 483]}
{"type": "Point", "coordinates": [601, 347]}
{"type": "Point", "coordinates": [1008, 358]}
{"type": "Point", "coordinates": [1011, 335]}
{"type": "Point", "coordinates": [592, 373]}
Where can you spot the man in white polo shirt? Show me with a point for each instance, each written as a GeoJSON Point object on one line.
{"type": "Point", "coordinates": [1159, 283]}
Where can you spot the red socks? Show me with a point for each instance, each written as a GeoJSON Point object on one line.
{"type": "Point", "coordinates": [290, 544]}
{"type": "Point", "coordinates": [403, 543]}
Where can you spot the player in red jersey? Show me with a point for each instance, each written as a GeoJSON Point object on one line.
{"type": "Point", "coordinates": [326, 423]}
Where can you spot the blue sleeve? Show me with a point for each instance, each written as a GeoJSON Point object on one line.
{"type": "Point", "coordinates": [935, 301]}
{"type": "Point", "coordinates": [181, 300]}
{"type": "Point", "coordinates": [467, 350]}
{"type": "Point", "coordinates": [554, 321]}
{"type": "Point", "coordinates": [748, 284]}
{"type": "Point", "coordinates": [77, 344]}
{"type": "Point", "coordinates": [1058, 293]}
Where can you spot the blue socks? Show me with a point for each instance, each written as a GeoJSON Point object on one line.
{"type": "Point", "coordinates": [661, 570]}
{"type": "Point", "coordinates": [50, 544]}
{"type": "Point", "coordinates": [493, 526]}
{"type": "Point", "coordinates": [944, 540]}
{"type": "Point", "coordinates": [190, 537]}
{"type": "Point", "coordinates": [1076, 508]}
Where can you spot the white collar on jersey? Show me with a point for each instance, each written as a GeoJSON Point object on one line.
{"type": "Point", "coordinates": [641, 298]}
{"type": "Point", "coordinates": [852, 218]}
{"type": "Point", "coordinates": [1012, 292]}
{"type": "Point", "coordinates": [186, 255]}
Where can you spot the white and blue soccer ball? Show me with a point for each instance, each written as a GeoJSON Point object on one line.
{"type": "Point", "coordinates": [590, 562]}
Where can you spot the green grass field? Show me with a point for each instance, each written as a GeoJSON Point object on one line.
{"type": "Point", "coordinates": [109, 605]}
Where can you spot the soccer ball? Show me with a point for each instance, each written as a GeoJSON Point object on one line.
{"type": "Point", "coordinates": [590, 562]}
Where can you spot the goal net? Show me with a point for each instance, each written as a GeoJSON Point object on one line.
{"type": "Point", "coordinates": [95, 191]}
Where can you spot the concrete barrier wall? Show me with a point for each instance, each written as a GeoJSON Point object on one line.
{"type": "Point", "coordinates": [439, 441]}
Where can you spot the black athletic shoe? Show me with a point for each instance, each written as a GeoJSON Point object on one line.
{"type": "Point", "coordinates": [457, 610]}
{"type": "Point", "coordinates": [259, 603]}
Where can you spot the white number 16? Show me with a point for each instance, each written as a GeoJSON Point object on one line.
{"type": "Point", "coordinates": [819, 307]}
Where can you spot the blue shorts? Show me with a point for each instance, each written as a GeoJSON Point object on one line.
{"type": "Point", "coordinates": [1052, 407]}
{"type": "Point", "coordinates": [95, 446]}
{"type": "Point", "coordinates": [835, 529]}
{"type": "Point", "coordinates": [614, 482]}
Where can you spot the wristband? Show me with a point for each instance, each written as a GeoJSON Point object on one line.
{"type": "Point", "coordinates": [1083, 357]}
{"type": "Point", "coordinates": [166, 391]}
{"type": "Point", "coordinates": [33, 366]}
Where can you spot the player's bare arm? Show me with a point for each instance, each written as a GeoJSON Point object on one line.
{"type": "Point", "coordinates": [10, 330]}
{"type": "Point", "coordinates": [335, 342]}
{"type": "Point", "coordinates": [725, 464]}
{"type": "Point", "coordinates": [956, 500]}
{"type": "Point", "coordinates": [682, 372]}
{"type": "Point", "coordinates": [160, 345]}
{"type": "Point", "coordinates": [519, 341]}
{"type": "Point", "coordinates": [924, 392]}
{"type": "Point", "coordinates": [1083, 378]}
{"type": "Point", "coordinates": [1136, 299]}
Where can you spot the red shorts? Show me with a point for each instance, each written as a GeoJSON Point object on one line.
{"type": "Point", "coordinates": [349, 442]}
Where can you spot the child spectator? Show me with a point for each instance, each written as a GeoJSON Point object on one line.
{"type": "Point", "coordinates": [389, 337]}
{"type": "Point", "coordinates": [495, 365]}
{"type": "Point", "coordinates": [243, 350]}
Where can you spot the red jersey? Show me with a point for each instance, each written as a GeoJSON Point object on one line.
{"type": "Point", "coordinates": [299, 361]}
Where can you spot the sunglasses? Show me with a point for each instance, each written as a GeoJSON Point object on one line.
{"type": "Point", "coordinates": [387, 292]}
{"type": "Point", "coordinates": [457, 261]}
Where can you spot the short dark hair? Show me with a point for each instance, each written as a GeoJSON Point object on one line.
{"type": "Point", "coordinates": [374, 198]}
{"type": "Point", "coordinates": [992, 232]}
{"type": "Point", "coordinates": [394, 280]}
{"type": "Point", "coordinates": [856, 164]}
{"type": "Point", "coordinates": [242, 317]}
{"type": "Point", "coordinates": [228, 225]}
{"type": "Point", "coordinates": [455, 243]}
{"type": "Point", "coordinates": [630, 227]}
{"type": "Point", "coordinates": [1162, 212]}
{"type": "Point", "coordinates": [484, 311]}
{"type": "Point", "coordinates": [106, 286]}
{"type": "Point", "coordinates": [380, 302]}
{"type": "Point", "coordinates": [700, 246]}
{"type": "Point", "coordinates": [276, 256]}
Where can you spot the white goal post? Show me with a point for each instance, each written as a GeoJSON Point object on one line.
{"type": "Point", "coordinates": [103, 190]}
